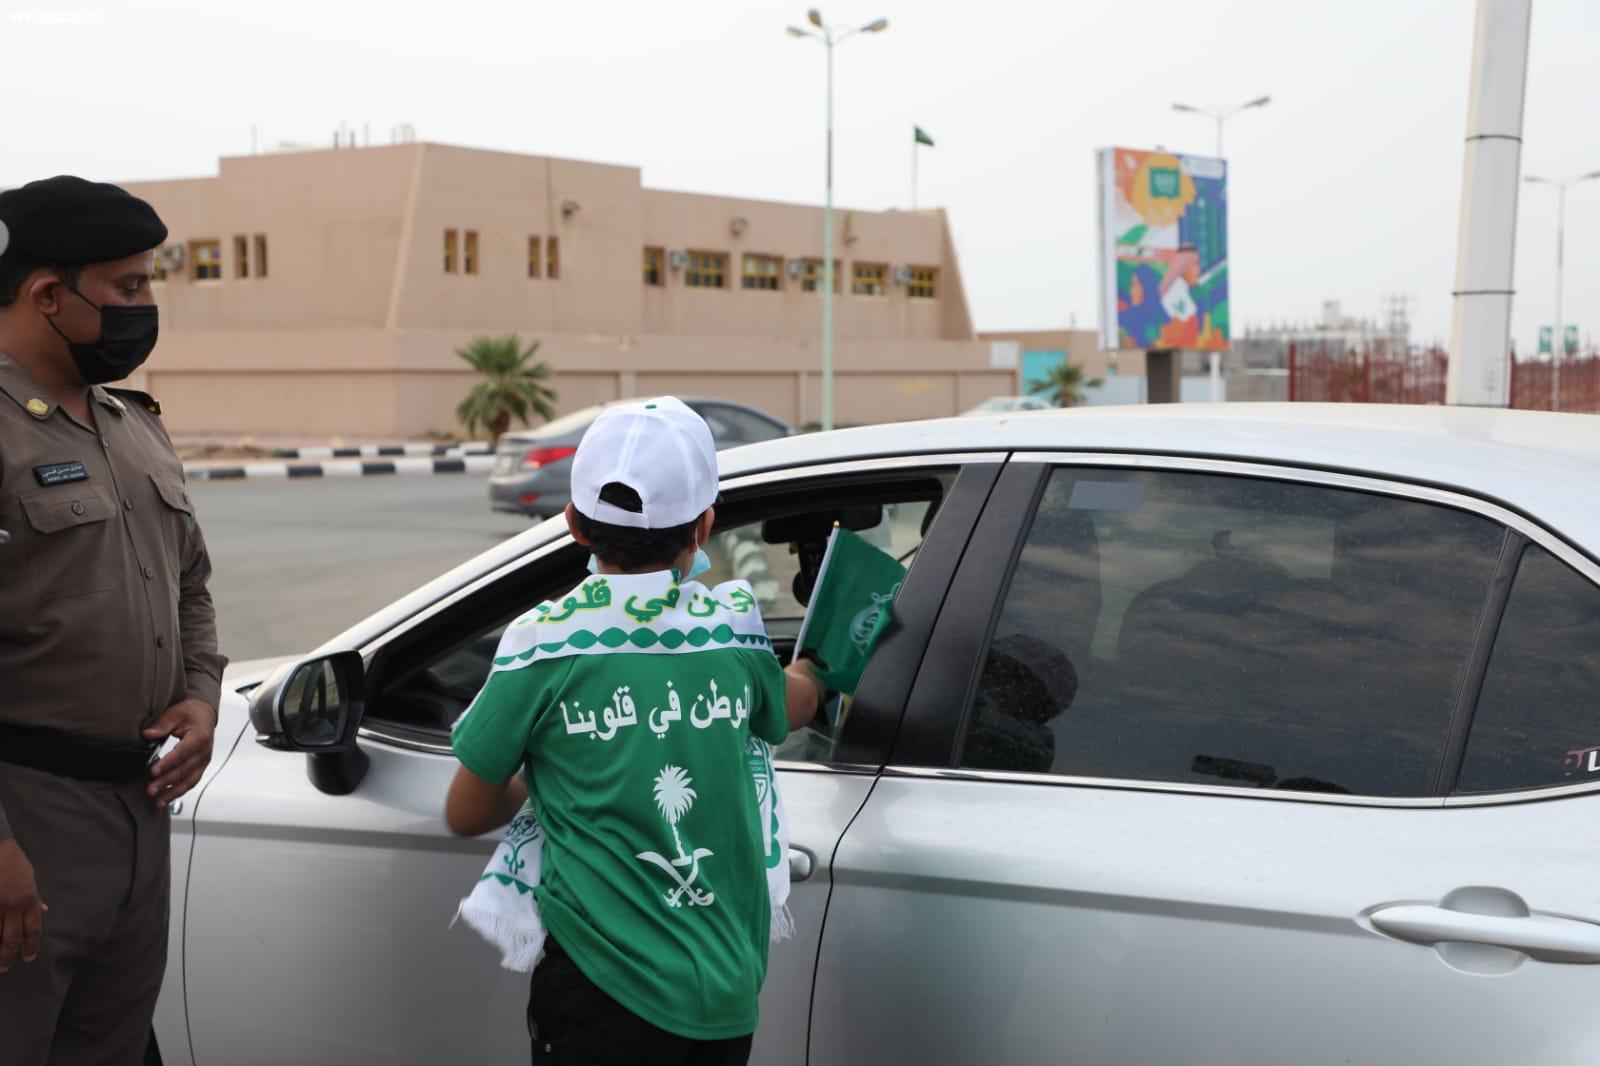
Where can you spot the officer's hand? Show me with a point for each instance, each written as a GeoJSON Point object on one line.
{"type": "Point", "coordinates": [21, 910]}
{"type": "Point", "coordinates": [194, 723]}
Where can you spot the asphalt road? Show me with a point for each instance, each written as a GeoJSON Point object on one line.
{"type": "Point", "coordinates": [296, 562]}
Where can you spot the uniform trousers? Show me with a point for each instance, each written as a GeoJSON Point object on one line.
{"type": "Point", "coordinates": [100, 854]}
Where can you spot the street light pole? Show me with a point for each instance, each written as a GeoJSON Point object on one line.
{"type": "Point", "coordinates": [829, 36]}
{"type": "Point", "coordinates": [1558, 343]}
{"type": "Point", "coordinates": [1219, 115]}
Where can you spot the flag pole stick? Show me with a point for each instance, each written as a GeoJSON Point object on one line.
{"type": "Point", "coordinates": [914, 147]}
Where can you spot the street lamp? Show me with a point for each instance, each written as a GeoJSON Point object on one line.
{"type": "Point", "coordinates": [1222, 114]}
{"type": "Point", "coordinates": [829, 36]}
{"type": "Point", "coordinates": [1557, 341]}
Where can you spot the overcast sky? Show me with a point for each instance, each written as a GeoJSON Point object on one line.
{"type": "Point", "coordinates": [1346, 187]}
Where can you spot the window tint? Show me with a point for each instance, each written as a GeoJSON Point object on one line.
{"type": "Point", "coordinates": [1538, 717]}
{"type": "Point", "coordinates": [1232, 631]}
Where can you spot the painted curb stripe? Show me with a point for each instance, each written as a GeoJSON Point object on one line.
{"type": "Point", "coordinates": [411, 465]}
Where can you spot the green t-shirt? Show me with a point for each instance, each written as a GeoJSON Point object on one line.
{"type": "Point", "coordinates": [631, 704]}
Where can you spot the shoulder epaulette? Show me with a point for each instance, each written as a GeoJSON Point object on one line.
{"type": "Point", "coordinates": [143, 399]}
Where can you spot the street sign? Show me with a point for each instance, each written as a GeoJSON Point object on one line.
{"type": "Point", "coordinates": [1544, 339]}
{"type": "Point", "coordinates": [1571, 340]}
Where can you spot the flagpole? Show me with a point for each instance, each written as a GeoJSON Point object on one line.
{"type": "Point", "coordinates": [914, 147]}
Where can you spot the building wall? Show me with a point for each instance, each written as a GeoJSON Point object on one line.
{"type": "Point", "coordinates": [354, 328]}
{"type": "Point", "coordinates": [378, 382]}
{"type": "Point", "coordinates": [1082, 347]}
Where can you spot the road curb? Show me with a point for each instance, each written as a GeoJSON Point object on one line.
{"type": "Point", "coordinates": [382, 451]}
{"type": "Point", "coordinates": [339, 468]}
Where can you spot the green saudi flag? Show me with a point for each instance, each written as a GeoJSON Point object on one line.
{"type": "Point", "coordinates": [920, 136]}
{"type": "Point", "coordinates": [850, 608]}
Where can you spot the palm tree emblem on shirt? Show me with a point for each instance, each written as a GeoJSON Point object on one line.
{"type": "Point", "coordinates": [675, 796]}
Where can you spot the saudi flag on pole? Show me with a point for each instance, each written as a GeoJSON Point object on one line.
{"type": "Point", "coordinates": [850, 608]}
{"type": "Point", "coordinates": [920, 136]}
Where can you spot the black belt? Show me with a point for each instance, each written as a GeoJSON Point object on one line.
{"type": "Point", "coordinates": [65, 756]}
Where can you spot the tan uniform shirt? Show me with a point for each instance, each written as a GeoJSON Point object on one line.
{"type": "Point", "coordinates": [105, 620]}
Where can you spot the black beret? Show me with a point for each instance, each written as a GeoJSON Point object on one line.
{"type": "Point", "coordinates": [70, 220]}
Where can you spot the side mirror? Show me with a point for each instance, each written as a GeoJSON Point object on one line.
{"type": "Point", "coordinates": [315, 706]}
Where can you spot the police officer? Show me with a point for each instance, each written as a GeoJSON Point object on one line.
{"type": "Point", "coordinates": [108, 641]}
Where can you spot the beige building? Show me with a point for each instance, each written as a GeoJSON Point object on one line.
{"type": "Point", "coordinates": [325, 292]}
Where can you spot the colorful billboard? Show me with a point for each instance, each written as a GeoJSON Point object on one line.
{"type": "Point", "coordinates": [1163, 249]}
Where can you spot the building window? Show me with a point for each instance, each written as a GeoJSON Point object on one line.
{"type": "Point", "coordinates": [707, 270]}
{"type": "Point", "coordinates": [205, 260]}
{"type": "Point", "coordinates": [261, 255]}
{"type": "Point", "coordinates": [552, 258]}
{"type": "Point", "coordinates": [534, 260]}
{"type": "Point", "coordinates": [811, 276]}
{"type": "Point", "coordinates": [763, 272]}
{"type": "Point", "coordinates": [449, 251]}
{"type": "Point", "coordinates": [469, 253]}
{"type": "Point", "coordinates": [241, 257]}
{"type": "Point", "coordinates": [653, 273]}
{"type": "Point", "coordinates": [869, 279]}
{"type": "Point", "coordinates": [924, 283]}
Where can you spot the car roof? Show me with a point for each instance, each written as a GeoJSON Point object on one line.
{"type": "Point", "coordinates": [1545, 465]}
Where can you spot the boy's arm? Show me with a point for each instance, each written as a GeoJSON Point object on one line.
{"type": "Point", "coordinates": [475, 806]}
{"type": "Point", "coordinates": [803, 693]}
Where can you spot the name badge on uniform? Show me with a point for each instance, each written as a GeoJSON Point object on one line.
{"type": "Point", "coordinates": [61, 473]}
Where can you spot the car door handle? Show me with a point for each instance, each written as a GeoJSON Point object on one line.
{"type": "Point", "coordinates": [1539, 936]}
{"type": "Point", "coordinates": [799, 864]}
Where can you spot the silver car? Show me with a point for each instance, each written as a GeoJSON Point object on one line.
{"type": "Point", "coordinates": [1232, 735]}
{"type": "Point", "coordinates": [532, 473]}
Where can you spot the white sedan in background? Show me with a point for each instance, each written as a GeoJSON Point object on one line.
{"type": "Point", "coordinates": [1248, 735]}
{"type": "Point", "coordinates": [995, 405]}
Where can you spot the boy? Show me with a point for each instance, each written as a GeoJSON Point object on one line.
{"type": "Point", "coordinates": [631, 703]}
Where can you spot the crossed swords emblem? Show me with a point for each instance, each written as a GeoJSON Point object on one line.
{"type": "Point", "coordinates": [685, 890]}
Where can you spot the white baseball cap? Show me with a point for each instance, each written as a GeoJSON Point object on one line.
{"type": "Point", "coordinates": [660, 449]}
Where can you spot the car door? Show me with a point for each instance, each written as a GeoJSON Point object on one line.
{"type": "Point", "coordinates": [1177, 783]}
{"type": "Point", "coordinates": [317, 925]}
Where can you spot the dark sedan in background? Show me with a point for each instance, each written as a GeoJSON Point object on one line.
{"type": "Point", "coordinates": [533, 469]}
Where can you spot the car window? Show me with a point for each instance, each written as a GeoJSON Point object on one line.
{"type": "Point", "coordinates": [1537, 722]}
{"type": "Point", "coordinates": [771, 569]}
{"type": "Point", "coordinates": [1232, 631]}
{"type": "Point", "coordinates": [434, 687]}
{"type": "Point", "coordinates": [730, 425]}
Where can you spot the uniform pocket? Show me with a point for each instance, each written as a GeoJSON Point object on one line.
{"type": "Point", "coordinates": [72, 541]}
{"type": "Point", "coordinates": [177, 518]}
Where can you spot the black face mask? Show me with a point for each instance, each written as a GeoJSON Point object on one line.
{"type": "Point", "coordinates": [127, 336]}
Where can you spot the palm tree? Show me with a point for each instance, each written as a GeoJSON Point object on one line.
{"type": "Point", "coordinates": [1063, 384]}
{"type": "Point", "coordinates": [513, 385]}
{"type": "Point", "coordinates": [674, 797]}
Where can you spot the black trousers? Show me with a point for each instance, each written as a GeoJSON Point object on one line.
{"type": "Point", "coordinates": [573, 1023]}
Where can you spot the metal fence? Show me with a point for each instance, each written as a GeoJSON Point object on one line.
{"type": "Point", "coordinates": [1534, 385]}
{"type": "Point", "coordinates": [1377, 374]}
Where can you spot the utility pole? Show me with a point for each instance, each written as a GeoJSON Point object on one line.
{"type": "Point", "coordinates": [1480, 322]}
